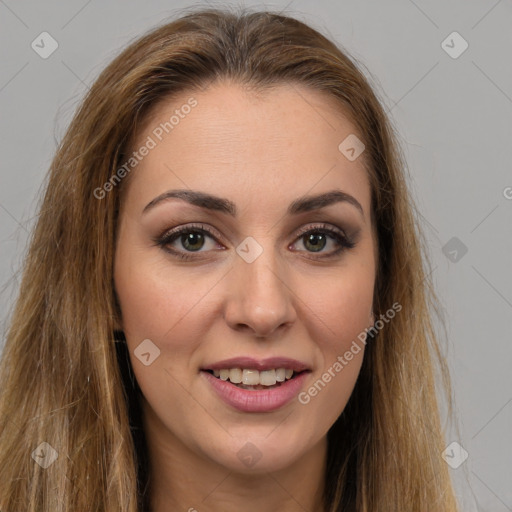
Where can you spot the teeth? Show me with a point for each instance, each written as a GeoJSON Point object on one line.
{"type": "Point", "coordinates": [235, 375]}
{"type": "Point", "coordinates": [250, 377]}
{"type": "Point", "coordinates": [268, 377]}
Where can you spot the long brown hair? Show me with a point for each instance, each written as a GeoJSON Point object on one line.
{"type": "Point", "coordinates": [61, 379]}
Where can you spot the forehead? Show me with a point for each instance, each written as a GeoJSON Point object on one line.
{"type": "Point", "coordinates": [267, 147]}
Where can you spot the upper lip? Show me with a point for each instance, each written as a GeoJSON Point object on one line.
{"type": "Point", "coordinates": [250, 363]}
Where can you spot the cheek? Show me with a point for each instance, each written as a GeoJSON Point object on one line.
{"type": "Point", "coordinates": [174, 309]}
{"type": "Point", "coordinates": [164, 309]}
{"type": "Point", "coordinates": [340, 308]}
{"type": "Point", "coordinates": [155, 302]}
{"type": "Point", "coordinates": [351, 310]}
{"type": "Point", "coordinates": [339, 313]}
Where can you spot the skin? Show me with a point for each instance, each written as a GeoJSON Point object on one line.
{"type": "Point", "coordinates": [261, 151]}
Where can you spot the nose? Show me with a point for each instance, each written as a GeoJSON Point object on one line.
{"type": "Point", "coordinates": [260, 301]}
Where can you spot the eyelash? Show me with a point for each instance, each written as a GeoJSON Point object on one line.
{"type": "Point", "coordinates": [344, 242]}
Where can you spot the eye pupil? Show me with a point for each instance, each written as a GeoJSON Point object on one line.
{"type": "Point", "coordinates": [314, 237]}
{"type": "Point", "coordinates": [188, 239]}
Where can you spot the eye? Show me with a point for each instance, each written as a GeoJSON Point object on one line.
{"type": "Point", "coordinates": [191, 238]}
{"type": "Point", "coordinates": [317, 238]}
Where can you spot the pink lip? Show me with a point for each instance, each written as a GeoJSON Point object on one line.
{"type": "Point", "coordinates": [250, 363]}
{"type": "Point", "coordinates": [255, 400]}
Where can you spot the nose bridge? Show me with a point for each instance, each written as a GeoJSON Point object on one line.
{"type": "Point", "coordinates": [262, 276]}
{"type": "Point", "coordinates": [261, 298]}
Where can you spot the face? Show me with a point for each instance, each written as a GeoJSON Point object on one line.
{"type": "Point", "coordinates": [228, 269]}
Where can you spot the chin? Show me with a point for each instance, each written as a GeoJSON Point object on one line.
{"type": "Point", "coordinates": [261, 449]}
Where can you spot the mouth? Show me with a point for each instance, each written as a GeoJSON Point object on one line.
{"type": "Point", "coordinates": [254, 380]}
{"type": "Point", "coordinates": [256, 386]}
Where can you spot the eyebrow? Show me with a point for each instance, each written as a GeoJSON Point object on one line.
{"type": "Point", "coordinates": [211, 202]}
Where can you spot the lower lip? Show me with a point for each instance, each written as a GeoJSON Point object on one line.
{"type": "Point", "coordinates": [259, 400]}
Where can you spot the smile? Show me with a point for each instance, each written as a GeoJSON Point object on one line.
{"type": "Point", "coordinates": [254, 379]}
{"type": "Point", "coordinates": [256, 386]}
{"type": "Point", "coordinates": [256, 399]}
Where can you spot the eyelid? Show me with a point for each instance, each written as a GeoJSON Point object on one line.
{"type": "Point", "coordinates": [343, 240]}
{"type": "Point", "coordinates": [202, 227]}
{"type": "Point", "coordinates": [188, 227]}
{"type": "Point", "coordinates": [339, 235]}
{"type": "Point", "coordinates": [326, 226]}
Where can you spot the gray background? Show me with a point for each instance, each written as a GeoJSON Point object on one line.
{"type": "Point", "coordinates": [454, 119]}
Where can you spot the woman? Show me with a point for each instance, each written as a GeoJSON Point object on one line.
{"type": "Point", "coordinates": [224, 303]}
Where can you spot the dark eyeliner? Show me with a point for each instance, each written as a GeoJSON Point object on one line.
{"type": "Point", "coordinates": [169, 236]}
{"type": "Point", "coordinates": [343, 241]}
